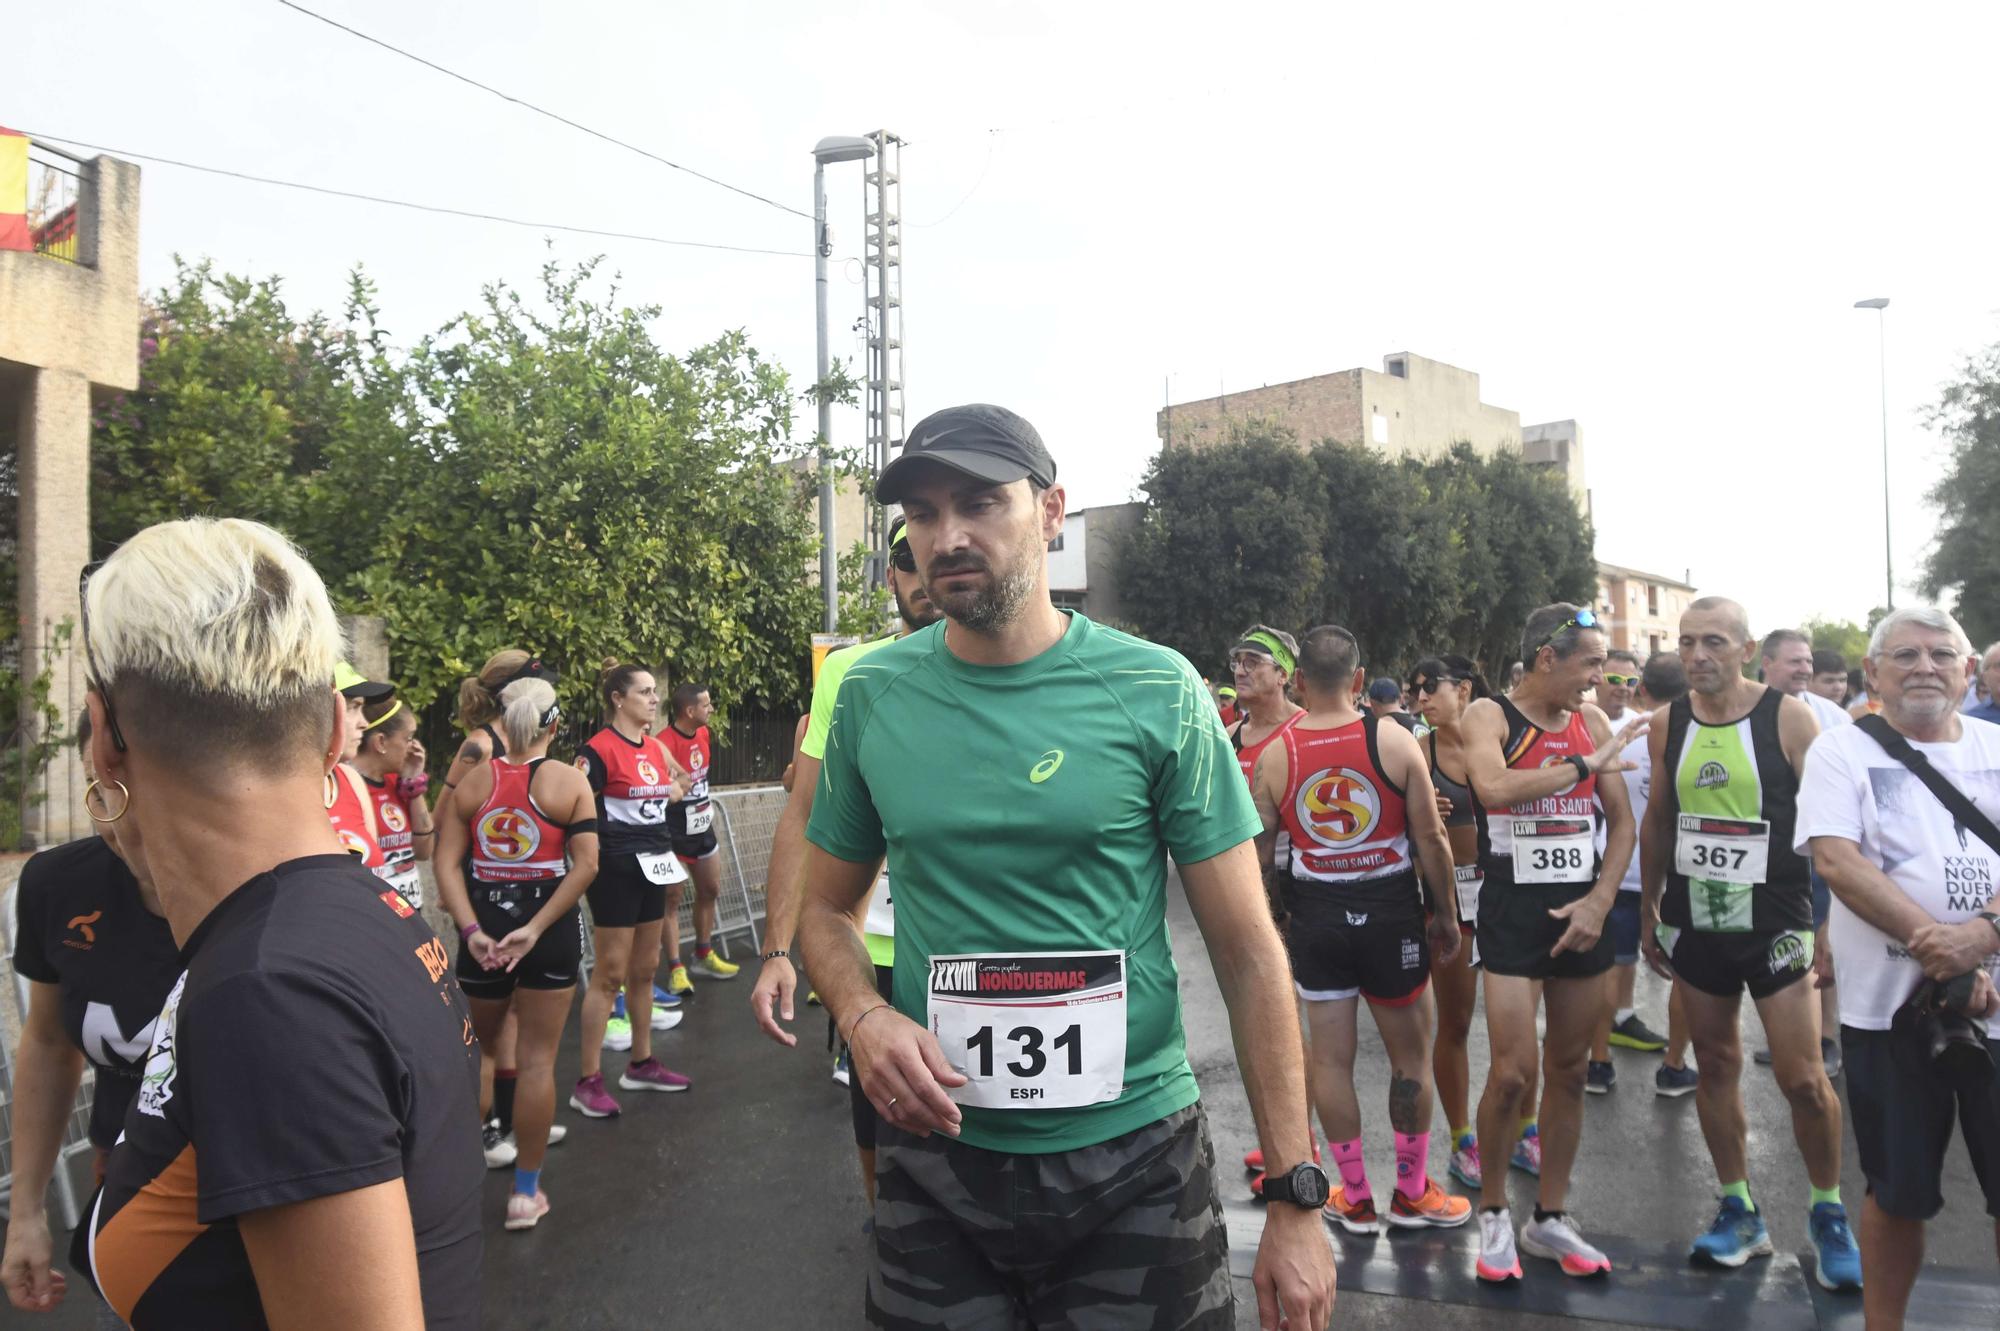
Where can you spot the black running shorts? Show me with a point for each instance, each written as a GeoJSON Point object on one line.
{"type": "Point", "coordinates": [622, 896]}
{"type": "Point", "coordinates": [554, 962]}
{"type": "Point", "coordinates": [1725, 964]}
{"type": "Point", "coordinates": [691, 848]}
{"type": "Point", "coordinates": [1124, 1234]}
{"type": "Point", "coordinates": [1902, 1109]}
{"type": "Point", "coordinates": [1362, 939]}
{"type": "Point", "coordinates": [1517, 933]}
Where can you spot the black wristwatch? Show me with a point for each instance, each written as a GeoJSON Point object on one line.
{"type": "Point", "coordinates": [1306, 1185]}
{"type": "Point", "coordinates": [1991, 919]}
{"type": "Point", "coordinates": [1581, 764]}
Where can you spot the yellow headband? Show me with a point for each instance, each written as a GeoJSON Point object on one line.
{"type": "Point", "coordinates": [385, 716]}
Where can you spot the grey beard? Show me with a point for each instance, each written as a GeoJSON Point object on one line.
{"type": "Point", "coordinates": [1000, 604]}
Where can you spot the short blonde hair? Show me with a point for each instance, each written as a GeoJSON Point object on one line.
{"type": "Point", "coordinates": [523, 704]}
{"type": "Point", "coordinates": [215, 634]}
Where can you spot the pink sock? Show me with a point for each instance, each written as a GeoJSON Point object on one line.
{"type": "Point", "coordinates": [1353, 1169]}
{"type": "Point", "coordinates": [1412, 1163]}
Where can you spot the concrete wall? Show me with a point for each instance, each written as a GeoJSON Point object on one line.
{"type": "Point", "coordinates": [1109, 524]}
{"type": "Point", "coordinates": [1069, 568]}
{"type": "Point", "coordinates": [1559, 444]}
{"type": "Point", "coordinates": [368, 645]}
{"type": "Point", "coordinates": [66, 330]}
{"type": "Point", "coordinates": [1418, 407]}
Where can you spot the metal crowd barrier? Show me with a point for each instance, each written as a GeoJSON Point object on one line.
{"type": "Point", "coordinates": [76, 1134]}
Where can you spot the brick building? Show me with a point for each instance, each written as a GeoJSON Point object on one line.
{"type": "Point", "coordinates": [1642, 611]}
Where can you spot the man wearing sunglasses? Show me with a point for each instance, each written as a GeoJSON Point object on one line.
{"type": "Point", "coordinates": [1621, 681]}
{"type": "Point", "coordinates": [1555, 833]}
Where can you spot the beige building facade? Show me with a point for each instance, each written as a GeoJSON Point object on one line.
{"type": "Point", "coordinates": [69, 332]}
{"type": "Point", "coordinates": [1641, 611]}
{"type": "Point", "coordinates": [1411, 407]}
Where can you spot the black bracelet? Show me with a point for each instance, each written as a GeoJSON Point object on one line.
{"type": "Point", "coordinates": [775, 953]}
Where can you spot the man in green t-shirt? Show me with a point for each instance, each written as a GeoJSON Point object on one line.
{"type": "Point", "coordinates": [771, 1000]}
{"type": "Point", "coordinates": [1027, 773]}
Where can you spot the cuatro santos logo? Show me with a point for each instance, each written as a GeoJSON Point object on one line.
{"type": "Point", "coordinates": [1339, 806]}
{"type": "Point", "coordinates": [508, 835]}
{"type": "Point", "coordinates": [355, 843]}
{"type": "Point", "coordinates": [649, 775]}
{"type": "Point", "coordinates": [394, 818]}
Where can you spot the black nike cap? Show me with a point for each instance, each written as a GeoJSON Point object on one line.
{"type": "Point", "coordinates": [985, 442]}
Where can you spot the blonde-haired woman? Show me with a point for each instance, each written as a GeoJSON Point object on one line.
{"type": "Point", "coordinates": [210, 648]}
{"type": "Point", "coordinates": [527, 829]}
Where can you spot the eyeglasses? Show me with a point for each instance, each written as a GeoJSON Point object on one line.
{"type": "Point", "coordinates": [1582, 619]}
{"type": "Point", "coordinates": [1908, 658]}
{"type": "Point", "coordinates": [1245, 660]}
{"type": "Point", "coordinates": [1620, 681]}
{"type": "Point", "coordinates": [1430, 686]}
{"type": "Point", "coordinates": [901, 558]}
{"type": "Point", "coordinates": [94, 679]}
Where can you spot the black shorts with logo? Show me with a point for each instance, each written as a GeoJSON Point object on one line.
{"type": "Point", "coordinates": [1725, 964]}
{"type": "Point", "coordinates": [698, 847]}
{"type": "Point", "coordinates": [554, 962]}
{"type": "Point", "coordinates": [1517, 933]}
{"type": "Point", "coordinates": [1902, 1109]}
{"type": "Point", "coordinates": [1363, 938]}
{"type": "Point", "coordinates": [622, 896]}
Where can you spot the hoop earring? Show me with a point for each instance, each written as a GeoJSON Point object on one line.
{"type": "Point", "coordinates": [331, 792]}
{"type": "Point", "coordinates": [93, 787]}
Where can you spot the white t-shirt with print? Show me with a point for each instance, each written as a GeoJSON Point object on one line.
{"type": "Point", "coordinates": [1854, 790]}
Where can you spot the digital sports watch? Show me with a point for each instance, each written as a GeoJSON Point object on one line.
{"type": "Point", "coordinates": [1305, 1185]}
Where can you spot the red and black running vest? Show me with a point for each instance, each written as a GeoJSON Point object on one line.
{"type": "Point", "coordinates": [632, 798]}
{"type": "Point", "coordinates": [1346, 820]}
{"type": "Point", "coordinates": [350, 823]}
{"type": "Point", "coordinates": [1561, 819]}
{"type": "Point", "coordinates": [693, 815]}
{"type": "Point", "coordinates": [393, 831]}
{"type": "Point", "coordinates": [513, 841]}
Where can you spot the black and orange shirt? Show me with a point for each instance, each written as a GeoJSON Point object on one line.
{"type": "Point", "coordinates": [85, 929]}
{"type": "Point", "coordinates": [692, 816]}
{"type": "Point", "coordinates": [630, 778]}
{"type": "Point", "coordinates": [315, 1043]}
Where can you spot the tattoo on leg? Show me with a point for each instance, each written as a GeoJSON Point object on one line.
{"type": "Point", "coordinates": [1403, 1093]}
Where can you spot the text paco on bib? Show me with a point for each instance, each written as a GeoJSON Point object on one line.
{"type": "Point", "coordinates": [1032, 1030]}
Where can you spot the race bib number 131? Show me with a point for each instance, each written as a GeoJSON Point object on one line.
{"type": "Point", "coordinates": [1032, 1030]}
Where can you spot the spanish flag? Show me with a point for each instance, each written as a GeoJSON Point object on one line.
{"type": "Point", "coordinates": [14, 192]}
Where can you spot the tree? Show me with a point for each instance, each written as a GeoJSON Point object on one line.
{"type": "Point", "coordinates": [1412, 556]}
{"type": "Point", "coordinates": [1964, 565]}
{"type": "Point", "coordinates": [537, 473]}
{"type": "Point", "coordinates": [1838, 635]}
{"type": "Point", "coordinates": [1232, 535]}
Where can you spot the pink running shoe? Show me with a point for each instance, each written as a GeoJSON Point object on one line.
{"type": "Point", "coordinates": [650, 1075]}
{"type": "Point", "coordinates": [523, 1211]}
{"type": "Point", "coordinates": [591, 1099]}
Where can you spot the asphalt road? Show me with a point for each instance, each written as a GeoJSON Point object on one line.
{"type": "Point", "coordinates": [738, 1204]}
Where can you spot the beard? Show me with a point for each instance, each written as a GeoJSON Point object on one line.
{"type": "Point", "coordinates": [998, 602]}
{"type": "Point", "coordinates": [920, 615]}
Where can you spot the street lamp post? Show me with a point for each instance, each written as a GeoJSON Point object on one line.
{"type": "Point", "coordinates": [838, 148]}
{"type": "Point", "coordinates": [1879, 304]}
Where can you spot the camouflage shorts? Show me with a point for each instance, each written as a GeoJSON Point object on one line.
{"type": "Point", "coordinates": [1126, 1233]}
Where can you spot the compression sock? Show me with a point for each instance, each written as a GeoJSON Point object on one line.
{"type": "Point", "coordinates": [503, 1098]}
{"type": "Point", "coordinates": [1541, 1215]}
{"type": "Point", "coordinates": [1353, 1169]}
{"type": "Point", "coordinates": [1826, 1196]}
{"type": "Point", "coordinates": [1463, 1137]}
{"type": "Point", "coordinates": [1530, 1128]}
{"type": "Point", "coordinates": [1412, 1163]}
{"type": "Point", "coordinates": [527, 1182]}
{"type": "Point", "coordinates": [1740, 1190]}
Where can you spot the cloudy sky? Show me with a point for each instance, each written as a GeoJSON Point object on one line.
{"type": "Point", "coordinates": [1654, 221]}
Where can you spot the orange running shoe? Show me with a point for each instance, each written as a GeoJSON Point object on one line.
{"type": "Point", "coordinates": [1354, 1217]}
{"type": "Point", "coordinates": [1436, 1209]}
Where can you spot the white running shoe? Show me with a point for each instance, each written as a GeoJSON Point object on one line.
{"type": "Point", "coordinates": [1498, 1262]}
{"type": "Point", "coordinates": [500, 1150]}
{"type": "Point", "coordinates": [666, 1018]}
{"type": "Point", "coordinates": [1559, 1240]}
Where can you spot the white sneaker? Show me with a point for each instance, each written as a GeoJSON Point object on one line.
{"type": "Point", "coordinates": [666, 1018]}
{"type": "Point", "coordinates": [1498, 1262]}
{"type": "Point", "coordinates": [500, 1150]}
{"type": "Point", "coordinates": [1559, 1240]}
{"type": "Point", "coordinates": [556, 1133]}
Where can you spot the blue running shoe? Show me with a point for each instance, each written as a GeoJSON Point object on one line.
{"type": "Point", "coordinates": [661, 998]}
{"type": "Point", "coordinates": [1737, 1235]}
{"type": "Point", "coordinates": [1527, 1155]}
{"type": "Point", "coordinates": [618, 1007]}
{"type": "Point", "coordinates": [1839, 1264]}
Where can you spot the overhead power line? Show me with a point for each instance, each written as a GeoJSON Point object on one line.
{"type": "Point", "coordinates": [542, 111]}
{"type": "Point", "coordinates": [415, 207]}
